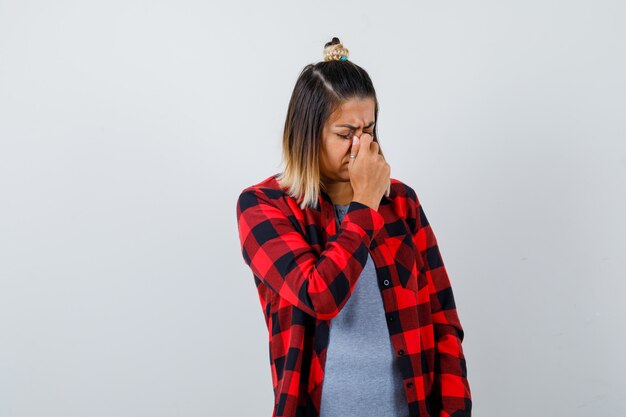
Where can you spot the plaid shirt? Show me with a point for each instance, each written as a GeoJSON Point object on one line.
{"type": "Point", "coordinates": [305, 269]}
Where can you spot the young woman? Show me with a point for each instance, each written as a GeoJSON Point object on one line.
{"type": "Point", "coordinates": [356, 298]}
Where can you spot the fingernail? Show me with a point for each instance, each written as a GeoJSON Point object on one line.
{"type": "Point", "coordinates": [355, 140]}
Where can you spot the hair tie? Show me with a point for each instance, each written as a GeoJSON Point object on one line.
{"type": "Point", "coordinates": [334, 51]}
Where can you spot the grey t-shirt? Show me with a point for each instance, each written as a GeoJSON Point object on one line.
{"type": "Point", "coordinates": [362, 378]}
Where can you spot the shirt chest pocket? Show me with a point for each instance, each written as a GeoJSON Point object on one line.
{"type": "Point", "coordinates": [408, 263]}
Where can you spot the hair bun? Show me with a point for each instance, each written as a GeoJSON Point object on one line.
{"type": "Point", "coordinates": [334, 51]}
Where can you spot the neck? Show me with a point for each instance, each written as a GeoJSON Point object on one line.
{"type": "Point", "coordinates": [340, 192]}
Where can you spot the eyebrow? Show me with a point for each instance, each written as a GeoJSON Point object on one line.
{"type": "Point", "coordinates": [354, 127]}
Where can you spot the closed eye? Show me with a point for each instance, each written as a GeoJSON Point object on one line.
{"type": "Point", "coordinates": [350, 135]}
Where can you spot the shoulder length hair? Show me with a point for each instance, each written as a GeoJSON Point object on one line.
{"type": "Point", "coordinates": [320, 89]}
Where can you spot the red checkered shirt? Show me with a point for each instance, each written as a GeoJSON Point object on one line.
{"type": "Point", "coordinates": [305, 269]}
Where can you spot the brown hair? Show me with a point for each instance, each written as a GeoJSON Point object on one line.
{"type": "Point", "coordinates": [320, 89]}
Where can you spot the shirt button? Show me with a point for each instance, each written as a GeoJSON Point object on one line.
{"type": "Point", "coordinates": [401, 352]}
{"type": "Point", "coordinates": [386, 282]}
{"type": "Point", "coordinates": [409, 384]}
{"type": "Point", "coordinates": [390, 318]}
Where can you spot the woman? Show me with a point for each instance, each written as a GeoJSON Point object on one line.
{"type": "Point", "coordinates": [356, 298]}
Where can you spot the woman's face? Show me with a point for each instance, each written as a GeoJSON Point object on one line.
{"type": "Point", "coordinates": [353, 117]}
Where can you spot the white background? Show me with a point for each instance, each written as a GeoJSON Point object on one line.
{"type": "Point", "coordinates": [128, 129]}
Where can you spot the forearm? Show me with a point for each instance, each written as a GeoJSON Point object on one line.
{"type": "Point", "coordinates": [278, 255]}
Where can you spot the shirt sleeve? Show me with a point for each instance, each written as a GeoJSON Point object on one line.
{"type": "Point", "coordinates": [279, 255]}
{"type": "Point", "coordinates": [450, 369]}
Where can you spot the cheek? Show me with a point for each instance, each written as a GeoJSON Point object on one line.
{"type": "Point", "coordinates": [346, 144]}
{"type": "Point", "coordinates": [325, 154]}
{"type": "Point", "coordinates": [343, 154]}
{"type": "Point", "coordinates": [337, 154]}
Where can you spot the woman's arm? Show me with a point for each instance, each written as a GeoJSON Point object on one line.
{"type": "Point", "coordinates": [280, 257]}
{"type": "Point", "coordinates": [452, 372]}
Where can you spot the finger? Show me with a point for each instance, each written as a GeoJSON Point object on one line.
{"type": "Point", "coordinates": [374, 147]}
{"type": "Point", "coordinates": [364, 143]}
{"type": "Point", "coordinates": [356, 145]}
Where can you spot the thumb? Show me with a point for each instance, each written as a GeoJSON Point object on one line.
{"type": "Point", "coordinates": [354, 150]}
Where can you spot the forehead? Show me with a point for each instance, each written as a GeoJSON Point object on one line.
{"type": "Point", "coordinates": [354, 112]}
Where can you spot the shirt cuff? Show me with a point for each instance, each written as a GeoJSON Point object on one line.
{"type": "Point", "coordinates": [364, 220]}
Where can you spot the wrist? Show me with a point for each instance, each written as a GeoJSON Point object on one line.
{"type": "Point", "coordinates": [373, 204]}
